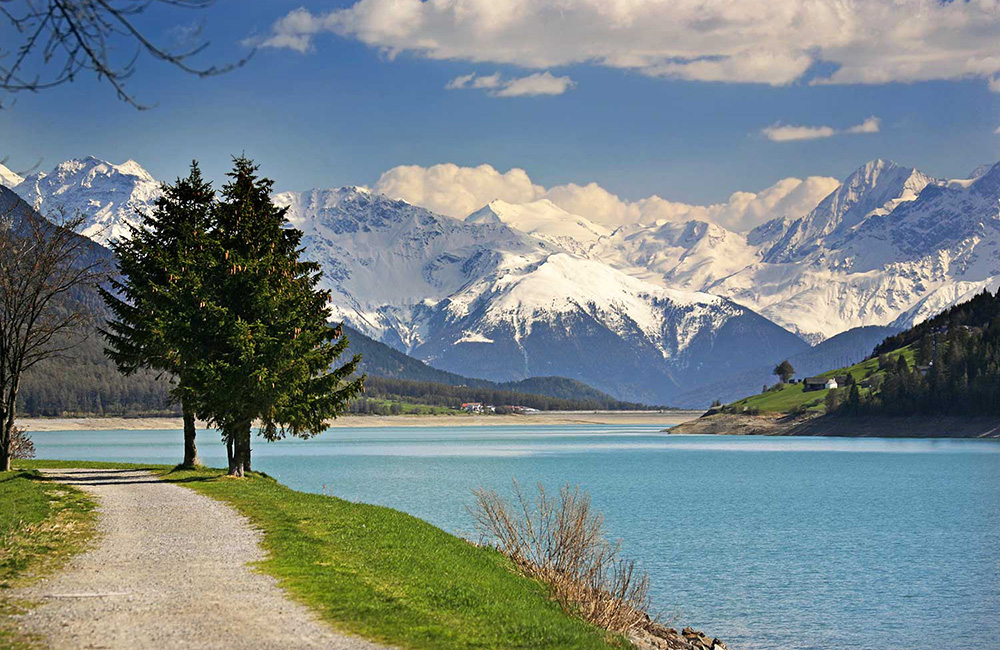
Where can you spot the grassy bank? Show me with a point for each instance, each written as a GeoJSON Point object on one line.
{"type": "Point", "coordinates": [788, 398]}
{"type": "Point", "coordinates": [41, 526]}
{"type": "Point", "coordinates": [386, 575]}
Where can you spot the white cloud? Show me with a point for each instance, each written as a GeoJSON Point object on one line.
{"type": "Point", "coordinates": [997, 132]}
{"type": "Point", "coordinates": [458, 191]}
{"type": "Point", "coordinates": [760, 41]}
{"type": "Point", "coordinates": [792, 132]}
{"type": "Point", "coordinates": [539, 83]}
{"type": "Point", "coordinates": [871, 125]}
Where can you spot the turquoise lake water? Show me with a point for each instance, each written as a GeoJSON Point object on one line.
{"type": "Point", "coordinates": [768, 543]}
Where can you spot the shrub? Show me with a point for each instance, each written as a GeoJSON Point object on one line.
{"type": "Point", "coordinates": [560, 540]}
{"type": "Point", "coordinates": [21, 447]}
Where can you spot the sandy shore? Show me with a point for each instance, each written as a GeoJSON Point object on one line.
{"type": "Point", "coordinates": [652, 418]}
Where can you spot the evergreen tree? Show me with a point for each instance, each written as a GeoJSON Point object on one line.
{"type": "Point", "coordinates": [267, 350]}
{"type": "Point", "coordinates": [156, 300]}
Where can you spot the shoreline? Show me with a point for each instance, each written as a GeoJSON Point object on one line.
{"type": "Point", "coordinates": [780, 424]}
{"type": "Point", "coordinates": [542, 418]}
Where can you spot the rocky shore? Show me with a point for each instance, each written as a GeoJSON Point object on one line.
{"type": "Point", "coordinates": [660, 637]}
{"type": "Point", "coordinates": [778, 424]}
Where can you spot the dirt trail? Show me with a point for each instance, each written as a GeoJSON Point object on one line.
{"type": "Point", "coordinates": [170, 569]}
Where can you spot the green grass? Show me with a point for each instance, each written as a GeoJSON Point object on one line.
{"type": "Point", "coordinates": [792, 396]}
{"type": "Point", "coordinates": [388, 576]}
{"type": "Point", "coordinates": [41, 526]}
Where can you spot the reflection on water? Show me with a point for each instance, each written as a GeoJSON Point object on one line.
{"type": "Point", "coordinates": [788, 543]}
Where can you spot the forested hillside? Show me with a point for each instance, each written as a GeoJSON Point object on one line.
{"type": "Point", "coordinates": [957, 369]}
{"type": "Point", "coordinates": [380, 360]}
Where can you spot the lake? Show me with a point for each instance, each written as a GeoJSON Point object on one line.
{"type": "Point", "coordinates": [768, 543]}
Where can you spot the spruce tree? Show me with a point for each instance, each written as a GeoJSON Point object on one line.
{"type": "Point", "coordinates": [268, 353]}
{"type": "Point", "coordinates": [157, 298]}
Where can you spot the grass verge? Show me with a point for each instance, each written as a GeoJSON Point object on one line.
{"type": "Point", "coordinates": [41, 526]}
{"type": "Point", "coordinates": [388, 576]}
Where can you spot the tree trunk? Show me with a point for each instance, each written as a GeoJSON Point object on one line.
{"type": "Point", "coordinates": [190, 447]}
{"type": "Point", "coordinates": [238, 437]}
{"type": "Point", "coordinates": [246, 448]}
{"type": "Point", "coordinates": [9, 402]}
{"type": "Point", "coordinates": [5, 450]}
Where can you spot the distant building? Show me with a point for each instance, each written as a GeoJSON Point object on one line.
{"type": "Point", "coordinates": [473, 407]}
{"type": "Point", "coordinates": [819, 383]}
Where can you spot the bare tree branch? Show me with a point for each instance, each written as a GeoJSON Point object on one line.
{"type": "Point", "coordinates": [61, 39]}
{"type": "Point", "coordinates": [42, 266]}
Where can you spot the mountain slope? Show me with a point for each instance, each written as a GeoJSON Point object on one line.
{"type": "Point", "coordinates": [480, 299]}
{"type": "Point", "coordinates": [880, 244]}
{"type": "Point", "coordinates": [843, 349]}
{"type": "Point", "coordinates": [109, 196]}
{"type": "Point", "coordinates": [378, 359]}
{"type": "Point", "coordinates": [8, 178]}
{"type": "Point", "coordinates": [582, 319]}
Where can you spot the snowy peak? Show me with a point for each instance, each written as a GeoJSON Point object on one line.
{"type": "Point", "coordinates": [108, 196]}
{"type": "Point", "coordinates": [877, 187]}
{"type": "Point", "coordinates": [545, 220]}
{"type": "Point", "coordinates": [8, 178]}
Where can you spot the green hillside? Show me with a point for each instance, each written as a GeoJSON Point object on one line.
{"type": "Point", "coordinates": [790, 398]}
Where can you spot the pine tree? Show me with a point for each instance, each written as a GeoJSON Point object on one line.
{"type": "Point", "coordinates": [156, 300]}
{"type": "Point", "coordinates": [267, 350]}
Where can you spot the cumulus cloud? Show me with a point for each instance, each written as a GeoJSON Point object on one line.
{"type": "Point", "coordinates": [759, 41]}
{"type": "Point", "coordinates": [871, 125]}
{"type": "Point", "coordinates": [458, 191]}
{"type": "Point", "coordinates": [997, 132]}
{"type": "Point", "coordinates": [792, 132]}
{"type": "Point", "coordinates": [539, 83]}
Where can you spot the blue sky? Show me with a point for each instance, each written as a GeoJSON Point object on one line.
{"type": "Point", "coordinates": [346, 111]}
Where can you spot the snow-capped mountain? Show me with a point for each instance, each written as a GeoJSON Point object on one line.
{"type": "Point", "coordinates": [574, 317]}
{"type": "Point", "coordinates": [691, 255]}
{"type": "Point", "coordinates": [384, 259]}
{"type": "Point", "coordinates": [9, 178]}
{"type": "Point", "coordinates": [882, 243]}
{"type": "Point", "coordinates": [108, 196]}
{"type": "Point", "coordinates": [544, 220]}
{"type": "Point", "coordinates": [480, 298]}
{"type": "Point", "coordinates": [642, 311]}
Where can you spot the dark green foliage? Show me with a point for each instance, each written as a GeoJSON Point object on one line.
{"type": "Point", "coordinates": [432, 393]}
{"type": "Point", "coordinates": [263, 350]}
{"type": "Point", "coordinates": [984, 308]}
{"type": "Point", "coordinates": [156, 298]}
{"type": "Point", "coordinates": [87, 383]}
{"type": "Point", "coordinates": [378, 359]}
{"type": "Point", "coordinates": [784, 371]}
{"type": "Point", "coordinates": [958, 371]}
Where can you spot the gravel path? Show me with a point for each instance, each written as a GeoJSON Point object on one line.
{"type": "Point", "coordinates": [170, 569]}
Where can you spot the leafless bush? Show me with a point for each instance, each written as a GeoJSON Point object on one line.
{"type": "Point", "coordinates": [560, 540]}
{"type": "Point", "coordinates": [21, 447]}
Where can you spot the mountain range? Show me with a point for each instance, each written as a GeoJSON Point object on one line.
{"type": "Point", "coordinates": [660, 313]}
